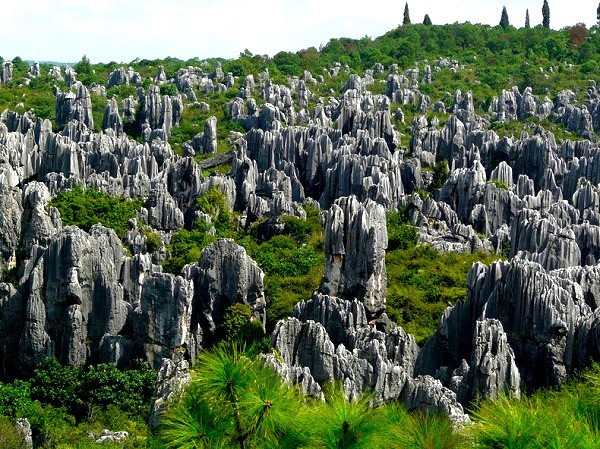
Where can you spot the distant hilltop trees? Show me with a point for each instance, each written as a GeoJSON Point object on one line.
{"type": "Point", "coordinates": [504, 20]}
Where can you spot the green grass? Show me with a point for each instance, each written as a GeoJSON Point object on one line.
{"type": "Point", "coordinates": [421, 281]}
{"type": "Point", "coordinates": [87, 207]}
{"type": "Point", "coordinates": [564, 418]}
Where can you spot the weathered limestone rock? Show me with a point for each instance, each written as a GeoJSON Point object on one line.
{"type": "Point", "coordinates": [39, 222]}
{"type": "Point", "coordinates": [10, 227]}
{"type": "Point", "coordinates": [109, 437]}
{"type": "Point", "coordinates": [163, 212]}
{"type": "Point", "coordinates": [493, 367]}
{"type": "Point", "coordinates": [355, 244]}
{"type": "Point", "coordinates": [224, 275]}
{"type": "Point", "coordinates": [539, 313]}
{"type": "Point", "coordinates": [74, 106]}
{"type": "Point", "coordinates": [206, 142]}
{"type": "Point", "coordinates": [24, 429]}
{"type": "Point", "coordinates": [166, 310]}
{"type": "Point", "coordinates": [111, 118]}
{"type": "Point", "coordinates": [7, 72]}
{"type": "Point", "coordinates": [172, 379]}
{"type": "Point", "coordinates": [330, 339]}
{"type": "Point", "coordinates": [73, 297]}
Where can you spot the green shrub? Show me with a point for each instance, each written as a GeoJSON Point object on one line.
{"type": "Point", "coordinates": [498, 183]}
{"type": "Point", "coordinates": [78, 390]}
{"type": "Point", "coordinates": [402, 237]}
{"type": "Point", "coordinates": [15, 397]}
{"type": "Point", "coordinates": [87, 207]}
{"type": "Point", "coordinates": [185, 248]}
{"type": "Point", "coordinates": [589, 67]}
{"type": "Point", "coordinates": [10, 438]}
{"type": "Point", "coordinates": [440, 174]}
{"type": "Point", "coordinates": [168, 89]}
{"type": "Point", "coordinates": [215, 203]}
{"type": "Point", "coordinates": [240, 327]}
{"type": "Point", "coordinates": [153, 241]}
{"type": "Point", "coordinates": [422, 281]}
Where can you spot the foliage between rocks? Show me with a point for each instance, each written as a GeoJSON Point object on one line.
{"type": "Point", "coordinates": [87, 207]}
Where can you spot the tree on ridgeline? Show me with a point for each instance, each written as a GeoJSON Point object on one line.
{"type": "Point", "coordinates": [578, 35]}
{"type": "Point", "coordinates": [504, 18]}
{"type": "Point", "coordinates": [527, 23]}
{"type": "Point", "coordinates": [546, 14]}
{"type": "Point", "coordinates": [427, 20]}
{"type": "Point", "coordinates": [598, 15]}
{"type": "Point", "coordinates": [406, 20]}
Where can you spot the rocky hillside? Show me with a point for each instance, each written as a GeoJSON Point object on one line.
{"type": "Point", "coordinates": [515, 174]}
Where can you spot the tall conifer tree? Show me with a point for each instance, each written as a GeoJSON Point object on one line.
{"type": "Point", "coordinates": [504, 18]}
{"type": "Point", "coordinates": [546, 15]}
{"type": "Point", "coordinates": [406, 20]}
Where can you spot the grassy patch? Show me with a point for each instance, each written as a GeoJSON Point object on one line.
{"type": "Point", "coordinates": [421, 281]}
{"type": "Point", "coordinates": [87, 207]}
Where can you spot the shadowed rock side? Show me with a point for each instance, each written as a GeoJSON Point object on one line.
{"type": "Point", "coordinates": [524, 322]}
{"type": "Point", "coordinates": [527, 322]}
{"type": "Point", "coordinates": [82, 300]}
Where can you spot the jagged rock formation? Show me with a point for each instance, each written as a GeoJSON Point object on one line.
{"type": "Point", "coordinates": [524, 322]}
{"type": "Point", "coordinates": [355, 243]}
{"type": "Point", "coordinates": [330, 339]}
{"type": "Point", "coordinates": [527, 322]}
{"type": "Point", "coordinates": [225, 275]}
{"type": "Point", "coordinates": [6, 75]}
{"type": "Point", "coordinates": [171, 381]}
{"type": "Point", "coordinates": [112, 119]}
{"type": "Point", "coordinates": [74, 106]}
{"type": "Point", "coordinates": [24, 429]}
{"type": "Point", "coordinates": [206, 142]}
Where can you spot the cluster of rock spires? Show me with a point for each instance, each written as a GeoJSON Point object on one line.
{"type": "Point", "coordinates": [526, 322]}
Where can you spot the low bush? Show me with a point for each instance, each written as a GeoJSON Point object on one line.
{"type": "Point", "coordinates": [87, 207]}
{"type": "Point", "coordinates": [79, 390]}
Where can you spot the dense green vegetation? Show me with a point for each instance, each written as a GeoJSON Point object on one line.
{"type": "Point", "coordinates": [235, 402]}
{"type": "Point", "coordinates": [422, 281]}
{"type": "Point", "coordinates": [293, 260]}
{"type": "Point", "coordinates": [87, 207]}
{"type": "Point", "coordinates": [64, 404]}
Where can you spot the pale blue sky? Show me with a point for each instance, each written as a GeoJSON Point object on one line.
{"type": "Point", "coordinates": [121, 30]}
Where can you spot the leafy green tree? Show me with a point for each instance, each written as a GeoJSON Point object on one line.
{"type": "Point", "coordinates": [78, 389]}
{"type": "Point", "coordinates": [20, 67]}
{"type": "Point", "coordinates": [546, 14]}
{"type": "Point", "coordinates": [527, 23]}
{"type": "Point", "coordinates": [84, 66]}
{"type": "Point", "coordinates": [427, 20]}
{"type": "Point", "coordinates": [504, 19]}
{"type": "Point", "coordinates": [406, 19]}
